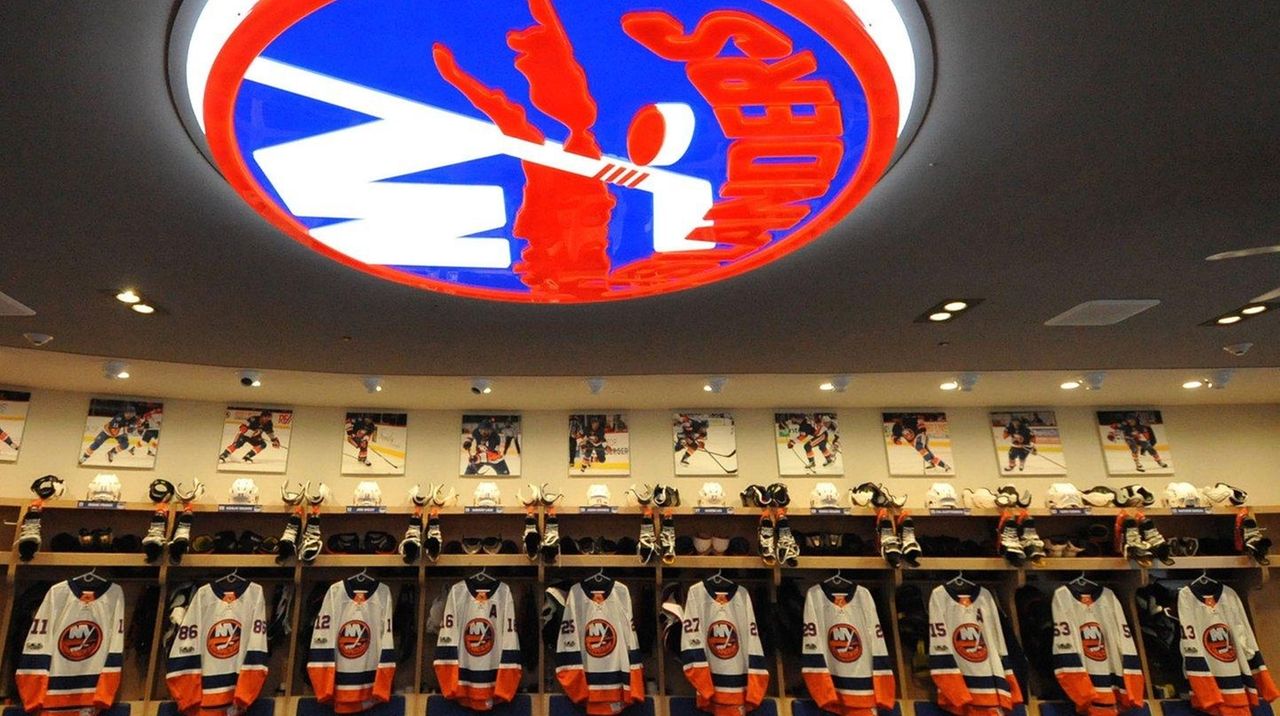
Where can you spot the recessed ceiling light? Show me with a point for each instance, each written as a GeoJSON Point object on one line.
{"type": "Point", "coordinates": [116, 370]}
{"type": "Point", "coordinates": [1253, 310]}
{"type": "Point", "coordinates": [1193, 384]}
{"type": "Point", "coordinates": [1228, 320]}
{"type": "Point", "coordinates": [954, 306]}
{"type": "Point", "coordinates": [947, 309]}
{"type": "Point", "coordinates": [1070, 385]}
{"type": "Point", "coordinates": [950, 385]}
{"type": "Point", "coordinates": [715, 384]}
{"type": "Point", "coordinates": [939, 316]}
{"type": "Point", "coordinates": [128, 295]}
{"type": "Point", "coordinates": [826, 386]}
{"type": "Point", "coordinates": [143, 308]}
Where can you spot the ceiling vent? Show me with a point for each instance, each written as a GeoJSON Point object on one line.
{"type": "Point", "coordinates": [11, 307]}
{"type": "Point", "coordinates": [1101, 313]}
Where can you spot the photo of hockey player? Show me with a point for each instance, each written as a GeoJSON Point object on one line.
{"type": "Point", "coordinates": [121, 433]}
{"type": "Point", "coordinates": [918, 444]}
{"type": "Point", "coordinates": [13, 421]}
{"type": "Point", "coordinates": [255, 440]}
{"type": "Point", "coordinates": [705, 444]}
{"type": "Point", "coordinates": [490, 445]}
{"type": "Point", "coordinates": [599, 444]}
{"type": "Point", "coordinates": [1134, 441]}
{"type": "Point", "coordinates": [1028, 442]}
{"type": "Point", "coordinates": [808, 444]}
{"type": "Point", "coordinates": [374, 443]}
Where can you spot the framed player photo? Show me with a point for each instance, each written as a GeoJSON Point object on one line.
{"type": "Point", "coordinates": [705, 444]}
{"type": "Point", "coordinates": [13, 421]}
{"type": "Point", "coordinates": [808, 444]}
{"type": "Point", "coordinates": [374, 443]}
{"type": "Point", "coordinates": [918, 444]}
{"type": "Point", "coordinates": [255, 440]}
{"type": "Point", "coordinates": [1135, 441]}
{"type": "Point", "coordinates": [1028, 442]}
{"type": "Point", "coordinates": [490, 445]}
{"type": "Point", "coordinates": [599, 444]}
{"type": "Point", "coordinates": [121, 433]}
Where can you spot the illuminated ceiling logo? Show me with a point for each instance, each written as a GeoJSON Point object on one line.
{"type": "Point", "coordinates": [551, 151]}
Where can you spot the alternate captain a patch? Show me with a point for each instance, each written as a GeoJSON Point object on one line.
{"type": "Point", "coordinates": [551, 151]}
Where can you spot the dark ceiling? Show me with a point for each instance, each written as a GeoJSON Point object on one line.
{"type": "Point", "coordinates": [1072, 151]}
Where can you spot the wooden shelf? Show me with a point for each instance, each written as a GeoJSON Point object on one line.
{"type": "Point", "coordinates": [1227, 562]}
{"type": "Point", "coordinates": [868, 563]}
{"type": "Point", "coordinates": [717, 562]}
{"type": "Point", "coordinates": [229, 561]}
{"type": "Point", "coordinates": [481, 560]}
{"type": "Point", "coordinates": [614, 561]}
{"type": "Point", "coordinates": [87, 559]}
{"type": "Point", "coordinates": [1081, 564]}
{"type": "Point", "coordinates": [359, 560]}
{"type": "Point", "coordinates": [967, 564]}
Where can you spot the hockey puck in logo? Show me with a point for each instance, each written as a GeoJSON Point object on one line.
{"type": "Point", "coordinates": [80, 640]}
{"type": "Point", "coordinates": [969, 642]}
{"type": "Point", "coordinates": [722, 639]}
{"type": "Point", "coordinates": [353, 639]}
{"type": "Point", "coordinates": [223, 640]}
{"type": "Point", "coordinates": [844, 643]}
{"type": "Point", "coordinates": [1219, 643]}
{"type": "Point", "coordinates": [1093, 642]}
{"type": "Point", "coordinates": [478, 637]}
{"type": "Point", "coordinates": [600, 638]}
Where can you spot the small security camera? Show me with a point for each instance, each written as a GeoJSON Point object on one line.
{"type": "Point", "coordinates": [37, 339]}
{"type": "Point", "coordinates": [250, 379]}
{"type": "Point", "coordinates": [1238, 349]}
{"type": "Point", "coordinates": [481, 386]}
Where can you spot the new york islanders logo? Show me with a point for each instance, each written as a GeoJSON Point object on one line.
{"type": "Point", "coordinates": [844, 643]}
{"type": "Point", "coordinates": [80, 640]}
{"type": "Point", "coordinates": [223, 639]}
{"type": "Point", "coordinates": [477, 637]}
{"type": "Point", "coordinates": [969, 643]}
{"type": "Point", "coordinates": [552, 151]}
{"type": "Point", "coordinates": [722, 639]}
{"type": "Point", "coordinates": [353, 639]}
{"type": "Point", "coordinates": [1093, 642]}
{"type": "Point", "coordinates": [1219, 643]}
{"type": "Point", "coordinates": [600, 638]}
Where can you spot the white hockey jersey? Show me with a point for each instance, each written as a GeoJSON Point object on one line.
{"type": "Point", "coordinates": [218, 660]}
{"type": "Point", "coordinates": [598, 661]}
{"type": "Point", "coordinates": [477, 650]}
{"type": "Point", "coordinates": [968, 656]}
{"type": "Point", "coordinates": [720, 648]}
{"type": "Point", "coordinates": [72, 655]}
{"type": "Point", "coordinates": [843, 658]}
{"type": "Point", "coordinates": [352, 659]}
{"type": "Point", "coordinates": [1094, 657]}
{"type": "Point", "coordinates": [1220, 655]}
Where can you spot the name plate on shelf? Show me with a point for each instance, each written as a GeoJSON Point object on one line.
{"type": "Point", "coordinates": [482, 510]}
{"type": "Point", "coordinates": [1070, 511]}
{"type": "Point", "coordinates": [949, 511]}
{"type": "Point", "coordinates": [239, 508]}
{"type": "Point", "coordinates": [597, 509]}
{"type": "Point", "coordinates": [365, 509]}
{"type": "Point", "coordinates": [99, 505]}
{"type": "Point", "coordinates": [828, 510]}
{"type": "Point", "coordinates": [713, 510]}
{"type": "Point", "coordinates": [1190, 510]}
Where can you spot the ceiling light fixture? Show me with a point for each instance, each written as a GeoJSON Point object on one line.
{"type": "Point", "coordinates": [1193, 384]}
{"type": "Point", "coordinates": [250, 379]}
{"type": "Point", "coordinates": [129, 296]}
{"type": "Point", "coordinates": [838, 384]}
{"type": "Point", "coordinates": [1242, 253]}
{"type": "Point", "coordinates": [481, 386]}
{"type": "Point", "coordinates": [952, 384]}
{"type": "Point", "coordinates": [143, 308]}
{"type": "Point", "coordinates": [947, 309]}
{"type": "Point", "coordinates": [1228, 320]}
{"type": "Point", "coordinates": [373, 384]}
{"type": "Point", "coordinates": [595, 385]}
{"type": "Point", "coordinates": [1070, 385]}
{"type": "Point", "coordinates": [116, 370]}
{"type": "Point", "coordinates": [37, 339]}
{"type": "Point", "coordinates": [715, 384]}
{"type": "Point", "coordinates": [1252, 309]}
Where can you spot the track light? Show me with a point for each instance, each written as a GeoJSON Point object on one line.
{"type": "Point", "coordinates": [250, 379]}
{"type": "Point", "coordinates": [116, 370]}
{"type": "Point", "coordinates": [373, 384]}
{"type": "Point", "coordinates": [838, 383]}
{"type": "Point", "coordinates": [715, 384]}
{"type": "Point", "coordinates": [481, 386]}
{"type": "Point", "coordinates": [595, 385]}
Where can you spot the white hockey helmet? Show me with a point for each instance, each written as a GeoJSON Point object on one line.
{"type": "Point", "coordinates": [367, 494]}
{"type": "Point", "coordinates": [1063, 495]}
{"type": "Point", "coordinates": [711, 495]}
{"type": "Point", "coordinates": [1182, 494]}
{"type": "Point", "coordinates": [243, 491]}
{"type": "Point", "coordinates": [981, 498]}
{"type": "Point", "coordinates": [941, 496]}
{"type": "Point", "coordinates": [824, 494]}
{"type": "Point", "coordinates": [487, 494]}
{"type": "Point", "coordinates": [104, 487]}
{"type": "Point", "coordinates": [598, 495]}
